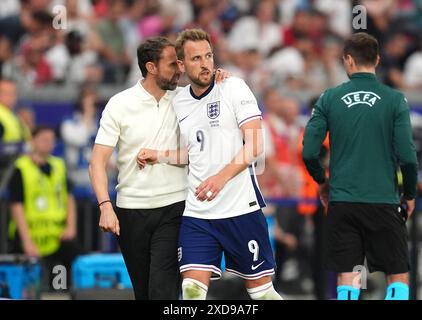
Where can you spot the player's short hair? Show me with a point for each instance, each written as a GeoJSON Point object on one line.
{"type": "Point", "coordinates": [363, 48]}
{"type": "Point", "coordinates": [189, 35]}
{"type": "Point", "coordinates": [150, 51]}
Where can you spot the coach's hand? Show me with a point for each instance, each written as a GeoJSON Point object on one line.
{"type": "Point", "coordinates": [323, 190]}
{"type": "Point", "coordinates": [209, 188]}
{"type": "Point", "coordinates": [108, 219]}
{"type": "Point", "coordinates": [221, 75]}
{"type": "Point", "coordinates": [146, 156]}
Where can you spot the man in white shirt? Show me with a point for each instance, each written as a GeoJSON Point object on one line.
{"type": "Point", "coordinates": [221, 127]}
{"type": "Point", "coordinates": [150, 202]}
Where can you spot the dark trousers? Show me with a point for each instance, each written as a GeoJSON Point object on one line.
{"type": "Point", "coordinates": [148, 241]}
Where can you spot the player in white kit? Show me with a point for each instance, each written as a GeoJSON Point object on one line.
{"type": "Point", "coordinates": [220, 126]}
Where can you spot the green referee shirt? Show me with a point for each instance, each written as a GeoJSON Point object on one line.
{"type": "Point", "coordinates": [370, 137]}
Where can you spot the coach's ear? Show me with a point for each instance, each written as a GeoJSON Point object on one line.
{"type": "Point", "coordinates": [151, 68]}
{"type": "Point", "coordinates": [181, 66]}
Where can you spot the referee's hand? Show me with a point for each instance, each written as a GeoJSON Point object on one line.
{"type": "Point", "coordinates": [108, 219]}
{"type": "Point", "coordinates": [410, 206]}
{"type": "Point", "coordinates": [323, 190]}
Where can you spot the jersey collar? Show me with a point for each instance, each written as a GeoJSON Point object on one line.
{"type": "Point", "coordinates": [205, 93]}
{"type": "Point", "coordinates": [365, 75]}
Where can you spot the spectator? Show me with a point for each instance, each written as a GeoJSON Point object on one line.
{"type": "Point", "coordinates": [259, 28]}
{"type": "Point", "coordinates": [413, 70]}
{"type": "Point", "coordinates": [83, 65]}
{"type": "Point", "coordinates": [393, 58]}
{"type": "Point", "coordinates": [42, 205]}
{"type": "Point", "coordinates": [78, 134]}
{"type": "Point", "coordinates": [11, 133]}
{"type": "Point", "coordinates": [114, 58]}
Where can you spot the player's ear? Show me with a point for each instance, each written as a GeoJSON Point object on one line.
{"type": "Point", "coordinates": [151, 68]}
{"type": "Point", "coordinates": [181, 65]}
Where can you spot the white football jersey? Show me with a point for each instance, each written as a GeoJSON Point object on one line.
{"type": "Point", "coordinates": [210, 129]}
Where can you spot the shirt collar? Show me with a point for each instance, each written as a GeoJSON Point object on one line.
{"type": "Point", "coordinates": [365, 75]}
{"type": "Point", "coordinates": [203, 94]}
{"type": "Point", "coordinates": [145, 95]}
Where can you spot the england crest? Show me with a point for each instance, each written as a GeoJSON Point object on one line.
{"type": "Point", "coordinates": [213, 110]}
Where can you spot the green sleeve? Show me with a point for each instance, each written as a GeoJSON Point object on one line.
{"type": "Point", "coordinates": [405, 148]}
{"type": "Point", "coordinates": [315, 133]}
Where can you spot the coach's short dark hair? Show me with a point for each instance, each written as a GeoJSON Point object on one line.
{"type": "Point", "coordinates": [189, 35]}
{"type": "Point", "coordinates": [363, 48]}
{"type": "Point", "coordinates": [150, 51]}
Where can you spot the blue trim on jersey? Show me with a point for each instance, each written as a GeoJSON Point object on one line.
{"type": "Point", "coordinates": [258, 194]}
{"type": "Point", "coordinates": [205, 93]}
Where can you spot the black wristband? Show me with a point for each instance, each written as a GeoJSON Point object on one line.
{"type": "Point", "coordinates": [101, 203]}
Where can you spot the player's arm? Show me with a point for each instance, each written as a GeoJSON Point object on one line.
{"type": "Point", "coordinates": [252, 148]}
{"type": "Point", "coordinates": [97, 171]}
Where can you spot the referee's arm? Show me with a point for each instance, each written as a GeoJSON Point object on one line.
{"type": "Point", "coordinates": [315, 133]}
{"type": "Point", "coordinates": [405, 149]}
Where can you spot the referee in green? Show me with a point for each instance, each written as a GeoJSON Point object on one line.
{"type": "Point", "coordinates": [370, 137]}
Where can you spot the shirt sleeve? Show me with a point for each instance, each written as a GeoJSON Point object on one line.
{"type": "Point", "coordinates": [315, 133]}
{"type": "Point", "coordinates": [16, 187]}
{"type": "Point", "coordinates": [244, 103]}
{"type": "Point", "coordinates": [405, 148]}
{"type": "Point", "coordinates": [109, 130]}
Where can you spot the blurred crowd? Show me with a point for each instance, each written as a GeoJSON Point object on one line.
{"type": "Point", "coordinates": [282, 43]}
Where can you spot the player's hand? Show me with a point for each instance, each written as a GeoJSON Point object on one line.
{"type": "Point", "coordinates": [323, 190]}
{"type": "Point", "coordinates": [30, 249]}
{"type": "Point", "coordinates": [221, 75]}
{"type": "Point", "coordinates": [210, 188]}
{"type": "Point", "coordinates": [108, 219]}
{"type": "Point", "coordinates": [146, 156]}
